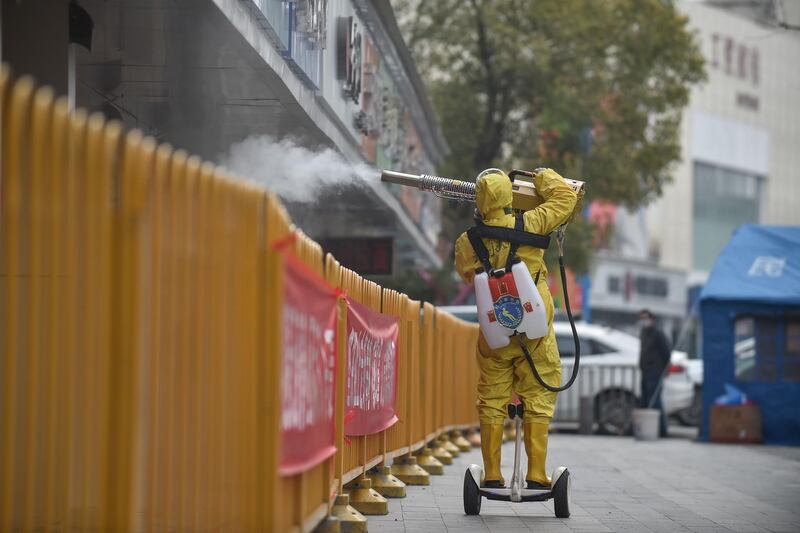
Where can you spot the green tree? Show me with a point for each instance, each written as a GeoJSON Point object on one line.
{"type": "Point", "coordinates": [593, 88]}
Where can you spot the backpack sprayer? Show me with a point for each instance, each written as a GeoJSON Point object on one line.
{"type": "Point", "coordinates": [524, 199]}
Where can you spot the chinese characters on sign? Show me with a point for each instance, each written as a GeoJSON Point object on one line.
{"type": "Point", "coordinates": [308, 372]}
{"type": "Point", "coordinates": [371, 370]}
{"type": "Point", "coordinates": [738, 60]}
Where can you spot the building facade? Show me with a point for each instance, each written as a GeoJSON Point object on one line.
{"type": "Point", "coordinates": [205, 75]}
{"type": "Point", "coordinates": [740, 163]}
{"type": "Point", "coordinates": [740, 137]}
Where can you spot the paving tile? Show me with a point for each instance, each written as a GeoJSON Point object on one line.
{"type": "Point", "coordinates": [664, 526]}
{"type": "Point", "coordinates": [618, 484]}
{"type": "Point", "coordinates": [420, 526]}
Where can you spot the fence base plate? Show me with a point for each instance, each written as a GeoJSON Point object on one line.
{"type": "Point", "coordinates": [458, 439]}
{"type": "Point", "coordinates": [350, 520]}
{"type": "Point", "coordinates": [386, 484]}
{"type": "Point", "coordinates": [409, 472]}
{"type": "Point", "coordinates": [441, 453]}
{"type": "Point", "coordinates": [447, 444]}
{"type": "Point", "coordinates": [430, 463]}
{"type": "Point", "coordinates": [364, 498]}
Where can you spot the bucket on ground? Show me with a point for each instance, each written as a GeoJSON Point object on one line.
{"type": "Point", "coordinates": [645, 424]}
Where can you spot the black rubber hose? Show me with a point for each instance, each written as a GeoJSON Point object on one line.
{"type": "Point", "coordinates": [574, 336]}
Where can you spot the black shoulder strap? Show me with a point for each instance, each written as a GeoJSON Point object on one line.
{"type": "Point", "coordinates": [514, 235]}
{"type": "Point", "coordinates": [519, 224]}
{"type": "Point", "coordinates": [480, 248]}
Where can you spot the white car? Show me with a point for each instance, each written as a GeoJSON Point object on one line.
{"type": "Point", "coordinates": [609, 375]}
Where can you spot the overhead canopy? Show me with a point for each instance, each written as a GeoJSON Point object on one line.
{"type": "Point", "coordinates": [760, 264]}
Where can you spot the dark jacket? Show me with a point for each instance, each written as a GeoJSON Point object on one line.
{"type": "Point", "coordinates": [654, 355]}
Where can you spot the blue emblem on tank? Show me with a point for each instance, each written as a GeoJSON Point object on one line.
{"type": "Point", "coordinates": [508, 311]}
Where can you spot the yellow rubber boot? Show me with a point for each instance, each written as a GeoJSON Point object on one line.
{"type": "Point", "coordinates": [536, 448]}
{"type": "Point", "coordinates": [491, 442]}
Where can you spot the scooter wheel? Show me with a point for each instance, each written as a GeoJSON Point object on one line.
{"type": "Point", "coordinates": [561, 496]}
{"type": "Point", "coordinates": [472, 495]}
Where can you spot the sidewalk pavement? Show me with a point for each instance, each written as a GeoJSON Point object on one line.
{"type": "Point", "coordinates": [621, 485]}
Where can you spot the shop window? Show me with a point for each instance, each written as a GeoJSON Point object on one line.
{"type": "Point", "coordinates": [767, 349]}
{"type": "Point", "coordinates": [613, 285]}
{"type": "Point", "coordinates": [723, 199]}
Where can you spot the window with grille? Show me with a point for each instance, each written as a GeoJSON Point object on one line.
{"type": "Point", "coordinates": [767, 349]}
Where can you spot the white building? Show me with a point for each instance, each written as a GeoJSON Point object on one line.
{"type": "Point", "coordinates": [740, 141]}
{"type": "Point", "coordinates": [740, 163]}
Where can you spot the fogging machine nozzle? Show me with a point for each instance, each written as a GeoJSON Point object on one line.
{"type": "Point", "coordinates": [525, 197]}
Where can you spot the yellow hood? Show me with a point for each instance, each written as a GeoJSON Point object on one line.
{"type": "Point", "coordinates": [493, 195]}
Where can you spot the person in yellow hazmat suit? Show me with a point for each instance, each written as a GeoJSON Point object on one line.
{"type": "Point", "coordinates": [505, 370]}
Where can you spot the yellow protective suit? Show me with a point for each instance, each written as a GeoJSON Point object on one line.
{"type": "Point", "coordinates": [505, 370]}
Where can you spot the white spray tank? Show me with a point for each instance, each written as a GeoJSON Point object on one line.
{"type": "Point", "coordinates": [534, 323]}
{"type": "Point", "coordinates": [496, 335]}
{"type": "Point", "coordinates": [509, 302]}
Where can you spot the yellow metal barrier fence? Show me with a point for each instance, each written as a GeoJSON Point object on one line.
{"type": "Point", "coordinates": [140, 337]}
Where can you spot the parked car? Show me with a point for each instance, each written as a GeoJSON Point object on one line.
{"type": "Point", "coordinates": [690, 416]}
{"type": "Point", "coordinates": [609, 374]}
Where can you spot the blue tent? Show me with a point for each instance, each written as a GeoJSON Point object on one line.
{"type": "Point", "coordinates": [750, 310]}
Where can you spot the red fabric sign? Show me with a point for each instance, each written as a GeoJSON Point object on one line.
{"type": "Point", "coordinates": [371, 388]}
{"type": "Point", "coordinates": [308, 373]}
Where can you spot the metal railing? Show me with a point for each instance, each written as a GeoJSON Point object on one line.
{"type": "Point", "coordinates": [613, 390]}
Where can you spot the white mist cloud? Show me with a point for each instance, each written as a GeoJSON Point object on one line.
{"type": "Point", "coordinates": [295, 172]}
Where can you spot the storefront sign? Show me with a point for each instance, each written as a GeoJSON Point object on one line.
{"type": "Point", "coordinates": [371, 387]}
{"type": "Point", "coordinates": [349, 57]}
{"type": "Point", "coordinates": [736, 59]}
{"type": "Point", "coordinates": [739, 60]}
{"type": "Point", "coordinates": [367, 256]}
{"type": "Point", "coordinates": [308, 372]}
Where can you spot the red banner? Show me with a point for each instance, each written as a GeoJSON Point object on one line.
{"type": "Point", "coordinates": [308, 374]}
{"type": "Point", "coordinates": [371, 388]}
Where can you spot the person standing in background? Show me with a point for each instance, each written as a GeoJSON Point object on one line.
{"type": "Point", "coordinates": [654, 356]}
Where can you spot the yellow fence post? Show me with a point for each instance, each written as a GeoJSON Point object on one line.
{"type": "Point", "coordinates": [16, 119]}
{"type": "Point", "coordinates": [362, 496]}
{"type": "Point", "coordinates": [57, 208]}
{"type": "Point", "coordinates": [443, 332]}
{"type": "Point", "coordinates": [33, 364]}
{"type": "Point", "coordinates": [141, 303]}
{"type": "Point", "coordinates": [277, 228]}
{"type": "Point", "coordinates": [462, 355]}
{"type": "Point", "coordinates": [126, 340]}
{"type": "Point", "coordinates": [428, 387]}
{"type": "Point", "coordinates": [384, 481]}
{"type": "Point", "coordinates": [350, 520]}
{"type": "Point", "coordinates": [450, 394]}
{"type": "Point", "coordinates": [405, 466]}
